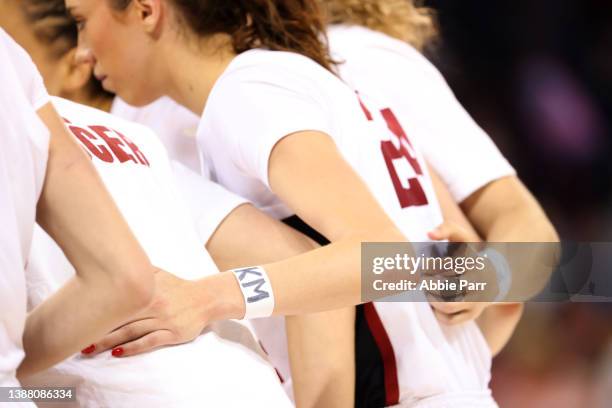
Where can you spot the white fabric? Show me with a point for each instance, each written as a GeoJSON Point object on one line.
{"type": "Point", "coordinates": [256, 291]}
{"type": "Point", "coordinates": [176, 127]}
{"type": "Point", "coordinates": [275, 94]}
{"type": "Point", "coordinates": [221, 367]}
{"type": "Point", "coordinates": [23, 156]}
{"type": "Point", "coordinates": [174, 124]}
{"type": "Point", "coordinates": [375, 64]}
{"type": "Point", "coordinates": [209, 203]}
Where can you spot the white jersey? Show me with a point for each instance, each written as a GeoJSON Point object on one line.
{"type": "Point", "coordinates": [206, 372]}
{"type": "Point", "coordinates": [24, 143]}
{"type": "Point", "coordinates": [176, 127]}
{"type": "Point", "coordinates": [278, 93]}
{"type": "Point", "coordinates": [380, 66]}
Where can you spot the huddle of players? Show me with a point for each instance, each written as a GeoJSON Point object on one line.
{"type": "Point", "coordinates": [284, 132]}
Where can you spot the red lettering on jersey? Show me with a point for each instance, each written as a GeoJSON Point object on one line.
{"type": "Point", "coordinates": [405, 144]}
{"type": "Point", "coordinates": [414, 195]}
{"type": "Point", "coordinates": [115, 144]}
{"type": "Point", "coordinates": [363, 107]}
{"type": "Point", "coordinates": [139, 155]}
{"type": "Point", "coordinates": [85, 137]}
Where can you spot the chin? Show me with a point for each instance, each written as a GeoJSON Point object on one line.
{"type": "Point", "coordinates": [138, 99]}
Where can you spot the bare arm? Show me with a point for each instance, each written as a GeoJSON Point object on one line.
{"type": "Point", "coordinates": [505, 211]}
{"type": "Point", "coordinates": [321, 345]}
{"type": "Point", "coordinates": [327, 195]}
{"type": "Point", "coordinates": [497, 321]}
{"type": "Point", "coordinates": [114, 276]}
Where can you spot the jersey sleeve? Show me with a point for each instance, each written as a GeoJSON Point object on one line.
{"type": "Point", "coordinates": [27, 74]}
{"type": "Point", "coordinates": [253, 111]}
{"type": "Point", "coordinates": [208, 202]}
{"type": "Point", "coordinates": [452, 142]}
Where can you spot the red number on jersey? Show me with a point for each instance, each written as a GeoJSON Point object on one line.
{"type": "Point", "coordinates": [413, 195]}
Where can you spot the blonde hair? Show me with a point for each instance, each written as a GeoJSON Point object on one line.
{"type": "Point", "coordinates": [406, 20]}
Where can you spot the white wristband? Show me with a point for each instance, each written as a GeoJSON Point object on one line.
{"type": "Point", "coordinates": [502, 272]}
{"type": "Point", "coordinates": [256, 290]}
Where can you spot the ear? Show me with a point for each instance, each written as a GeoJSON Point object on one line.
{"type": "Point", "coordinates": [149, 13]}
{"type": "Point", "coordinates": [75, 73]}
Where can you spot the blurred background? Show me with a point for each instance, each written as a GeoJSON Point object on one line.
{"type": "Point", "coordinates": [537, 76]}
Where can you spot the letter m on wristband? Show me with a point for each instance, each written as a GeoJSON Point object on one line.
{"type": "Point", "coordinates": [249, 278]}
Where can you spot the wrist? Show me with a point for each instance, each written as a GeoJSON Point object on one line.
{"type": "Point", "coordinates": [222, 298]}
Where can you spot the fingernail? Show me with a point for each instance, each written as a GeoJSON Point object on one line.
{"type": "Point", "coordinates": [117, 352]}
{"type": "Point", "coordinates": [89, 349]}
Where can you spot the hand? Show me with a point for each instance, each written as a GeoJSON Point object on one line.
{"type": "Point", "coordinates": [455, 312]}
{"type": "Point", "coordinates": [176, 315]}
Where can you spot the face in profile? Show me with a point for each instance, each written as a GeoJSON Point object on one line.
{"type": "Point", "coordinates": [120, 47]}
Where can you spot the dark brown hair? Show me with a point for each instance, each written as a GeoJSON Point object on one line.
{"type": "Point", "coordinates": [279, 25]}
{"type": "Point", "coordinates": [53, 25]}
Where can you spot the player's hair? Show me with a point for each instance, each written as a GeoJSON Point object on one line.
{"type": "Point", "coordinates": [406, 20]}
{"type": "Point", "coordinates": [279, 25]}
{"type": "Point", "coordinates": [53, 25]}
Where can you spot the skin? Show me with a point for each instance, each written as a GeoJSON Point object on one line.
{"type": "Point", "coordinates": [148, 22]}
{"type": "Point", "coordinates": [190, 88]}
{"type": "Point", "coordinates": [246, 237]}
{"type": "Point", "coordinates": [114, 277]}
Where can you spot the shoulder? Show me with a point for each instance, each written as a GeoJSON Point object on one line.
{"type": "Point", "coordinates": [81, 115]}
{"type": "Point", "coordinates": [360, 48]}
{"type": "Point", "coordinates": [273, 69]}
{"type": "Point", "coordinates": [24, 72]}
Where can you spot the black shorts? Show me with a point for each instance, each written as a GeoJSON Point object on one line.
{"type": "Point", "coordinates": [376, 383]}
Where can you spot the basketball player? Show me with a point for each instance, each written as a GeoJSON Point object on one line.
{"type": "Point", "coordinates": [273, 165]}
{"type": "Point", "coordinates": [134, 167]}
{"type": "Point", "coordinates": [236, 234]}
{"type": "Point", "coordinates": [41, 168]}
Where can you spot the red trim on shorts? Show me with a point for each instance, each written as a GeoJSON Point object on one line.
{"type": "Point", "coordinates": [280, 377]}
{"type": "Point", "coordinates": [386, 351]}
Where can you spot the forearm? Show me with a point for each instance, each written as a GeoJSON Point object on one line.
{"type": "Point", "coordinates": [78, 314]}
{"type": "Point", "coordinates": [498, 322]}
{"type": "Point", "coordinates": [114, 277]}
{"type": "Point", "coordinates": [506, 212]}
{"type": "Point", "coordinates": [325, 279]}
{"type": "Point", "coordinates": [522, 224]}
{"type": "Point", "coordinates": [320, 345]}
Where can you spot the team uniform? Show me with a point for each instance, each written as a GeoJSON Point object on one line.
{"type": "Point", "coordinates": [24, 143]}
{"type": "Point", "coordinates": [222, 367]}
{"type": "Point", "coordinates": [452, 143]}
{"type": "Point", "coordinates": [403, 356]}
{"type": "Point", "coordinates": [176, 127]}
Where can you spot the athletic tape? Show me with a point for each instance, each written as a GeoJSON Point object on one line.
{"type": "Point", "coordinates": [256, 290]}
{"type": "Point", "coordinates": [502, 272]}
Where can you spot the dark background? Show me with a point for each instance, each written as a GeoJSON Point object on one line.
{"type": "Point", "coordinates": [537, 76]}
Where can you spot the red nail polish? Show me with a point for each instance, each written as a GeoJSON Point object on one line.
{"type": "Point", "coordinates": [117, 352]}
{"type": "Point", "coordinates": [89, 349]}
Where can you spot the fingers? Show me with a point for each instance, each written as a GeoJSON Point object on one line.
{"type": "Point", "coordinates": [454, 319]}
{"type": "Point", "coordinates": [452, 232]}
{"type": "Point", "coordinates": [450, 307]}
{"type": "Point", "coordinates": [145, 344]}
{"type": "Point", "coordinates": [440, 233]}
{"type": "Point", "coordinates": [457, 312]}
{"type": "Point", "coordinates": [122, 335]}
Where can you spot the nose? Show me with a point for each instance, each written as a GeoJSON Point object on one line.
{"type": "Point", "coordinates": [84, 55]}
